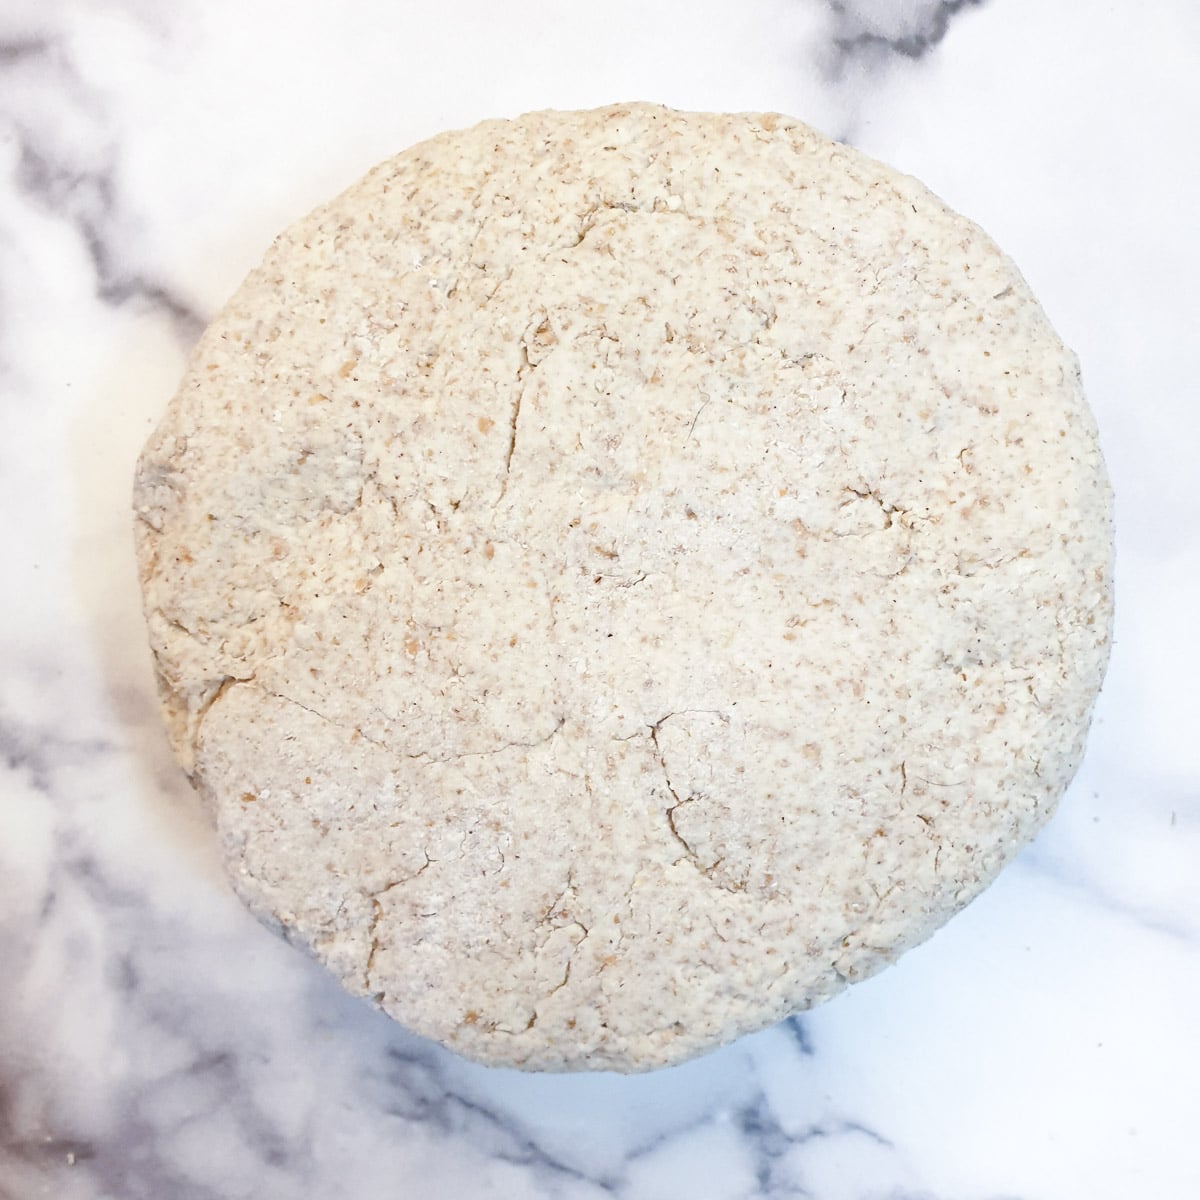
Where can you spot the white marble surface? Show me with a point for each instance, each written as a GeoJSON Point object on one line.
{"type": "Point", "coordinates": [154, 1042]}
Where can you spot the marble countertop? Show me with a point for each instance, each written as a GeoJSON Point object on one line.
{"type": "Point", "coordinates": [154, 1041]}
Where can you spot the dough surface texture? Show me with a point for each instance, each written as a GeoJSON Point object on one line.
{"type": "Point", "coordinates": [619, 577]}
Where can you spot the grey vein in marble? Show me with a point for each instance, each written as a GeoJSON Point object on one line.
{"type": "Point", "coordinates": [82, 193]}
{"type": "Point", "coordinates": [867, 39]}
{"type": "Point", "coordinates": [910, 30]}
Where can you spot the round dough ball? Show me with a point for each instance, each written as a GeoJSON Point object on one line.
{"type": "Point", "coordinates": [619, 577]}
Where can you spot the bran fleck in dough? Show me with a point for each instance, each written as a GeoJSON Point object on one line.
{"type": "Point", "coordinates": [618, 577]}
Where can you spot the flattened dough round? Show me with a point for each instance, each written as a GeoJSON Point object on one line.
{"type": "Point", "coordinates": [619, 577]}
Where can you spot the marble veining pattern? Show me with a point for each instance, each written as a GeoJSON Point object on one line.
{"type": "Point", "coordinates": [154, 1041]}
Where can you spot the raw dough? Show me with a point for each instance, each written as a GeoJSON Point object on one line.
{"type": "Point", "coordinates": [619, 577]}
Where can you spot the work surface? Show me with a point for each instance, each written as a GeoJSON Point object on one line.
{"type": "Point", "coordinates": [155, 1042]}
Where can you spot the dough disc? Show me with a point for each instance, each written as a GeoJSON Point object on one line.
{"type": "Point", "coordinates": [619, 577]}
